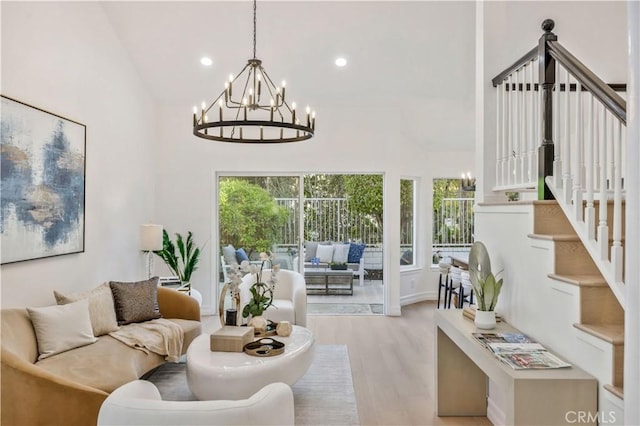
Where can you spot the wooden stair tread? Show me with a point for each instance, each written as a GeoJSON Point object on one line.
{"type": "Point", "coordinates": [584, 280]}
{"type": "Point", "coordinates": [554, 237]}
{"type": "Point", "coordinates": [616, 390]}
{"type": "Point", "coordinates": [612, 333]}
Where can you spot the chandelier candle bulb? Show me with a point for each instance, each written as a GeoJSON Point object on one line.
{"type": "Point", "coordinates": [248, 110]}
{"type": "Point", "coordinates": [195, 113]}
{"type": "Point", "coordinates": [313, 120]}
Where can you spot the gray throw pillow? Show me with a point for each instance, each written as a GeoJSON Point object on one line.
{"type": "Point", "coordinates": [229, 254]}
{"type": "Point", "coordinates": [135, 301]}
{"type": "Point", "coordinates": [310, 248]}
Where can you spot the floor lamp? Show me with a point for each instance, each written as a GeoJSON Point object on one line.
{"type": "Point", "coordinates": [150, 241]}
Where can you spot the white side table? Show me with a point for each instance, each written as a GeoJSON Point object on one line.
{"type": "Point", "coordinates": [236, 375]}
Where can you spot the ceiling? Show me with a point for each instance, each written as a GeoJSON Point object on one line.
{"type": "Point", "coordinates": [399, 53]}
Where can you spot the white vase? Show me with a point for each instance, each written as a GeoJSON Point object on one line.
{"type": "Point", "coordinates": [259, 323]}
{"type": "Point", "coordinates": [485, 320]}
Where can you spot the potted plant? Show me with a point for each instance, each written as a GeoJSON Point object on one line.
{"type": "Point", "coordinates": [183, 262]}
{"type": "Point", "coordinates": [338, 266]}
{"type": "Point", "coordinates": [261, 294]}
{"type": "Point", "coordinates": [485, 285]}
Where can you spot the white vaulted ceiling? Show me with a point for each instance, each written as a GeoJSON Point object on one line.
{"type": "Point", "coordinates": [414, 57]}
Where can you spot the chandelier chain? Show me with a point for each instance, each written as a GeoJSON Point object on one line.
{"type": "Point", "coordinates": [254, 29]}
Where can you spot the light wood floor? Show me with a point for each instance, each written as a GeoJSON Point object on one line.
{"type": "Point", "coordinates": [392, 363]}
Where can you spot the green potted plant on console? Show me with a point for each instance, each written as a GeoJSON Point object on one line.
{"type": "Point", "coordinates": [485, 286]}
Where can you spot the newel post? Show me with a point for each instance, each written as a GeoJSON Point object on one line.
{"type": "Point", "coordinates": [547, 79]}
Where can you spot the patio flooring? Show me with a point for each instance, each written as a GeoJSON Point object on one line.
{"type": "Point", "coordinates": [366, 300]}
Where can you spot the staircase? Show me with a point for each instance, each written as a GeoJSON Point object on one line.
{"type": "Point", "coordinates": [601, 314]}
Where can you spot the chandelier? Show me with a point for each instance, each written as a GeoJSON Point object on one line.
{"type": "Point", "coordinates": [252, 109]}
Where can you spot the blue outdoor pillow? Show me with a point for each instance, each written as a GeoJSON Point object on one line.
{"type": "Point", "coordinates": [241, 255]}
{"type": "Point", "coordinates": [356, 251]}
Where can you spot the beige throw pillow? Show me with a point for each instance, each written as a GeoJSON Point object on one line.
{"type": "Point", "coordinates": [62, 327]}
{"type": "Point", "coordinates": [135, 301]}
{"type": "Point", "coordinates": [101, 309]}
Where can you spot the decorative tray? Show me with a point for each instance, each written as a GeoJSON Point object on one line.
{"type": "Point", "coordinates": [264, 347]}
{"type": "Point", "coordinates": [270, 331]}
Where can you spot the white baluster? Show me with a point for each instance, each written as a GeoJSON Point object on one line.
{"type": "Point", "coordinates": [617, 252]}
{"type": "Point", "coordinates": [505, 134]}
{"type": "Point", "coordinates": [498, 137]}
{"type": "Point", "coordinates": [517, 146]}
{"type": "Point", "coordinates": [590, 213]}
{"type": "Point", "coordinates": [603, 228]}
{"type": "Point", "coordinates": [577, 164]}
{"type": "Point", "coordinates": [557, 163]}
{"type": "Point", "coordinates": [510, 133]}
{"type": "Point", "coordinates": [566, 142]}
{"type": "Point", "coordinates": [532, 171]}
{"type": "Point", "coordinates": [522, 151]}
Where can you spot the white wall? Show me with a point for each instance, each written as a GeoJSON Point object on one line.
{"type": "Point", "coordinates": [347, 141]}
{"type": "Point", "coordinates": [65, 58]}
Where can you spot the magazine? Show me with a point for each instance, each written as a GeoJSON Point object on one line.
{"type": "Point", "coordinates": [508, 348]}
{"type": "Point", "coordinates": [519, 351]}
{"type": "Point", "coordinates": [532, 360]}
{"type": "Point", "coordinates": [487, 338]}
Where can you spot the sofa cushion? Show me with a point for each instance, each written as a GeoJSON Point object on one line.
{"type": "Point", "coordinates": [324, 253]}
{"type": "Point", "coordinates": [241, 256]}
{"type": "Point", "coordinates": [135, 301]}
{"type": "Point", "coordinates": [356, 251]}
{"type": "Point", "coordinates": [108, 363]}
{"type": "Point", "coordinates": [101, 309]}
{"type": "Point", "coordinates": [61, 328]}
{"type": "Point", "coordinates": [229, 254]}
{"type": "Point", "coordinates": [340, 253]}
{"type": "Point", "coordinates": [310, 248]}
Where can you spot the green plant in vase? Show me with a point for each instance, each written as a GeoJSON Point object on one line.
{"type": "Point", "coordinates": [183, 262]}
{"type": "Point", "coordinates": [485, 285]}
{"type": "Point", "coordinates": [261, 292]}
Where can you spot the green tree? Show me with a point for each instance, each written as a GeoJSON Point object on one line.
{"type": "Point", "coordinates": [364, 193]}
{"type": "Point", "coordinates": [249, 215]}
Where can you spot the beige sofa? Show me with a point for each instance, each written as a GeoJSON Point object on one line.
{"type": "Point", "coordinates": [69, 388]}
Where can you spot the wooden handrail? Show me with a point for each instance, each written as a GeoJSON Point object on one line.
{"type": "Point", "coordinates": [529, 56]}
{"type": "Point", "coordinates": [605, 94]}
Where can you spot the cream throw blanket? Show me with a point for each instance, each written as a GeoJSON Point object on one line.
{"type": "Point", "coordinates": [159, 336]}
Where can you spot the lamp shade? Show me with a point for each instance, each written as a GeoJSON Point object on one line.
{"type": "Point", "coordinates": [150, 237]}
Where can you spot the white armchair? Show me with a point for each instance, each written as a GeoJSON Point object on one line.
{"type": "Point", "coordinates": [289, 299]}
{"type": "Point", "coordinates": [139, 403]}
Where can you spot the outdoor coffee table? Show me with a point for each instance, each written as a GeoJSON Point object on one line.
{"type": "Point", "coordinates": [236, 375]}
{"type": "Point", "coordinates": [328, 281]}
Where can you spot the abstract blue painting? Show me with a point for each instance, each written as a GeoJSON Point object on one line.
{"type": "Point", "coordinates": [42, 183]}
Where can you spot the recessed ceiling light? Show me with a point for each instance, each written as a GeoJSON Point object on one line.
{"type": "Point", "coordinates": [207, 62]}
{"type": "Point", "coordinates": [341, 62]}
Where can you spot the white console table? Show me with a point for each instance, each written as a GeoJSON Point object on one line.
{"type": "Point", "coordinates": [532, 397]}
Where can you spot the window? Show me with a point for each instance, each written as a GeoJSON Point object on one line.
{"type": "Point", "coordinates": [452, 218]}
{"type": "Point", "coordinates": [407, 224]}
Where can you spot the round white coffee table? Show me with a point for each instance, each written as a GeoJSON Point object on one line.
{"type": "Point", "coordinates": [236, 375]}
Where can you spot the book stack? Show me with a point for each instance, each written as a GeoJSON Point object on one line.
{"type": "Point", "coordinates": [470, 312]}
{"type": "Point", "coordinates": [519, 351]}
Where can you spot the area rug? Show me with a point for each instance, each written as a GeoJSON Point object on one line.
{"type": "Point", "coordinates": [344, 309]}
{"type": "Point", "coordinates": [323, 396]}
